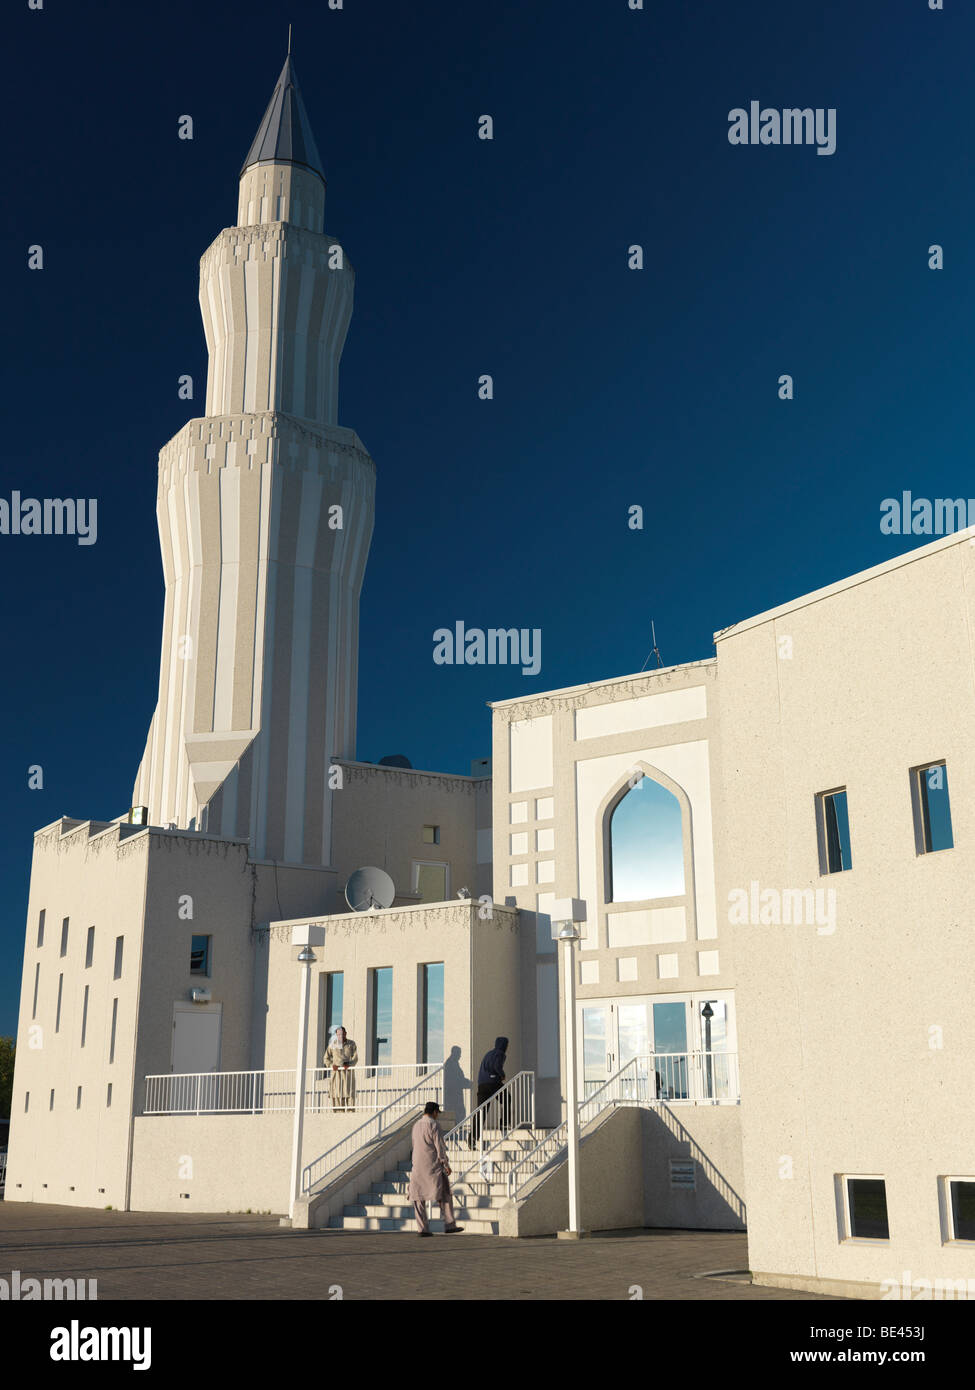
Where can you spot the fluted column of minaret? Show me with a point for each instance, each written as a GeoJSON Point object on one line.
{"type": "Point", "coordinates": [265, 513]}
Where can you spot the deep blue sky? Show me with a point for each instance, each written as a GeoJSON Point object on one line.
{"type": "Point", "coordinates": [613, 387]}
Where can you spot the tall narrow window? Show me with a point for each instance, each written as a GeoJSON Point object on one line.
{"type": "Point", "coordinates": [111, 1045]}
{"type": "Point", "coordinates": [381, 1015]}
{"type": "Point", "coordinates": [90, 948]}
{"type": "Point", "coordinates": [50, 1104]}
{"type": "Point", "coordinates": [431, 1013]}
{"type": "Point", "coordinates": [962, 1196]}
{"type": "Point", "coordinates": [646, 845]}
{"type": "Point", "coordinates": [77, 1104]}
{"type": "Point", "coordinates": [26, 1101]}
{"type": "Point", "coordinates": [57, 1016]}
{"type": "Point", "coordinates": [932, 808]}
{"type": "Point", "coordinates": [108, 1095]}
{"type": "Point", "coordinates": [84, 1018]}
{"type": "Point", "coordinates": [833, 826]}
{"type": "Point", "coordinates": [118, 957]}
{"type": "Point", "coordinates": [64, 937]}
{"type": "Point", "coordinates": [37, 981]}
{"type": "Point", "coordinates": [40, 928]}
{"type": "Point", "coordinates": [200, 955]}
{"type": "Point", "coordinates": [333, 990]}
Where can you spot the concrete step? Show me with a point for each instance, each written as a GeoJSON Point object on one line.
{"type": "Point", "coordinates": [407, 1223]}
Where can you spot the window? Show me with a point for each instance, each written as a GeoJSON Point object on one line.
{"type": "Point", "coordinates": [108, 1097]}
{"type": "Point", "coordinates": [64, 937]}
{"type": "Point", "coordinates": [200, 955]}
{"type": "Point", "coordinates": [866, 1208]}
{"type": "Point", "coordinates": [431, 834]}
{"type": "Point", "coordinates": [833, 828]}
{"type": "Point", "coordinates": [111, 1045]}
{"type": "Point", "coordinates": [37, 981]}
{"type": "Point", "coordinates": [77, 1104]}
{"type": "Point", "coordinates": [431, 1013]}
{"type": "Point", "coordinates": [118, 957]}
{"type": "Point", "coordinates": [332, 995]}
{"type": "Point", "coordinates": [84, 1018]}
{"type": "Point", "coordinates": [381, 1015]}
{"type": "Point", "coordinates": [40, 928]}
{"type": "Point", "coordinates": [90, 947]}
{"type": "Point", "coordinates": [961, 1208]}
{"type": "Point", "coordinates": [57, 1016]}
{"type": "Point", "coordinates": [26, 1101]}
{"type": "Point", "coordinates": [932, 809]}
{"type": "Point", "coordinates": [430, 881]}
{"type": "Point", "coordinates": [50, 1104]}
{"type": "Point", "coordinates": [646, 845]}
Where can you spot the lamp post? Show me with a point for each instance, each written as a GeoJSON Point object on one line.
{"type": "Point", "coordinates": [707, 1013]}
{"type": "Point", "coordinates": [566, 913]}
{"type": "Point", "coordinates": [306, 935]}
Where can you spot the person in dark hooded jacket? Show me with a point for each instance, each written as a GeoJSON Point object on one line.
{"type": "Point", "coordinates": [490, 1079]}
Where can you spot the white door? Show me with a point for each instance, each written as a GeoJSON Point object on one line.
{"type": "Point", "coordinates": [196, 1038]}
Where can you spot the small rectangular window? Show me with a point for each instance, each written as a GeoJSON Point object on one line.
{"type": "Point", "coordinates": [961, 1193]}
{"type": "Point", "coordinates": [108, 1097]}
{"type": "Point", "coordinates": [932, 808]}
{"type": "Point", "coordinates": [64, 937]}
{"type": "Point", "coordinates": [90, 948]}
{"type": "Point", "coordinates": [430, 882]}
{"type": "Point", "coordinates": [111, 1045]}
{"type": "Point", "coordinates": [77, 1104]}
{"type": "Point", "coordinates": [40, 928]}
{"type": "Point", "coordinates": [57, 1016]}
{"type": "Point", "coordinates": [431, 834]}
{"type": "Point", "coordinates": [200, 955]}
{"type": "Point", "coordinates": [867, 1207]}
{"type": "Point", "coordinates": [84, 1018]}
{"type": "Point", "coordinates": [50, 1104]}
{"type": "Point", "coordinates": [833, 828]}
{"type": "Point", "coordinates": [118, 957]}
{"type": "Point", "coordinates": [37, 981]}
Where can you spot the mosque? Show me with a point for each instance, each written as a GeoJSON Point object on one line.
{"type": "Point", "coordinates": [736, 1069]}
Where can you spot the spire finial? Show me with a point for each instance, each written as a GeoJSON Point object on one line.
{"type": "Point", "coordinates": [289, 40]}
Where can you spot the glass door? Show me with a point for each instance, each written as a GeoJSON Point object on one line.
{"type": "Point", "coordinates": [670, 1049]}
{"type": "Point", "coordinates": [598, 1046]}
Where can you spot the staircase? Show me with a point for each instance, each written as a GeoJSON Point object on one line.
{"type": "Point", "coordinates": [478, 1182]}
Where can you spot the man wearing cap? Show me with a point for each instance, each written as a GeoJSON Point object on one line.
{"type": "Point", "coordinates": [428, 1178]}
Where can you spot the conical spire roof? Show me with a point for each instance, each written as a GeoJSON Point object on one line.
{"type": "Point", "coordinates": [285, 132]}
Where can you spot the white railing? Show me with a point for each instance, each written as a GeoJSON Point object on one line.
{"type": "Point", "coordinates": [510, 1108]}
{"type": "Point", "coordinates": [264, 1092]}
{"type": "Point", "coordinates": [663, 1076]}
{"type": "Point", "coordinates": [701, 1078]}
{"type": "Point", "coordinates": [429, 1088]}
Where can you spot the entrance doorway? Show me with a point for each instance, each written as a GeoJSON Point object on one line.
{"type": "Point", "coordinates": [688, 1041]}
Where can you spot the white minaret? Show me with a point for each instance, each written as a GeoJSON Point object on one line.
{"type": "Point", "coordinates": [265, 512]}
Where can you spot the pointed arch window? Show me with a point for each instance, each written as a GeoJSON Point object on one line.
{"type": "Point", "coordinates": [646, 845]}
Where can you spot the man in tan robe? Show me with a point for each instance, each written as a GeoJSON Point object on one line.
{"type": "Point", "coordinates": [428, 1179]}
{"type": "Point", "coordinates": [341, 1056]}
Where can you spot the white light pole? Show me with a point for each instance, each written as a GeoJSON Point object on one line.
{"type": "Point", "coordinates": [305, 936]}
{"type": "Point", "coordinates": [565, 914]}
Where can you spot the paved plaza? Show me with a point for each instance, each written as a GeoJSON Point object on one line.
{"type": "Point", "coordinates": [145, 1255]}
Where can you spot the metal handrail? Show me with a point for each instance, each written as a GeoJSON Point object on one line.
{"type": "Point", "coordinates": [649, 1079]}
{"type": "Point", "coordinates": [513, 1104]}
{"type": "Point", "coordinates": [262, 1092]}
{"type": "Point", "coordinates": [402, 1104]}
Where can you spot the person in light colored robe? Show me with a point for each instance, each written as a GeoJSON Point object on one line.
{"type": "Point", "coordinates": [430, 1172]}
{"type": "Point", "coordinates": [341, 1056]}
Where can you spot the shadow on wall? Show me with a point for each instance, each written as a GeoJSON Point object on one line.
{"type": "Point", "coordinates": [456, 1086]}
{"type": "Point", "coordinates": [666, 1138]}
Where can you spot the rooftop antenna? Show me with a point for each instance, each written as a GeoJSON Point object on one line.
{"type": "Point", "coordinates": [655, 651]}
{"type": "Point", "coordinates": [289, 40]}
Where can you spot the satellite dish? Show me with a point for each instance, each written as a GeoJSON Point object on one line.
{"type": "Point", "coordinates": [395, 760]}
{"type": "Point", "coordinates": [369, 889]}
